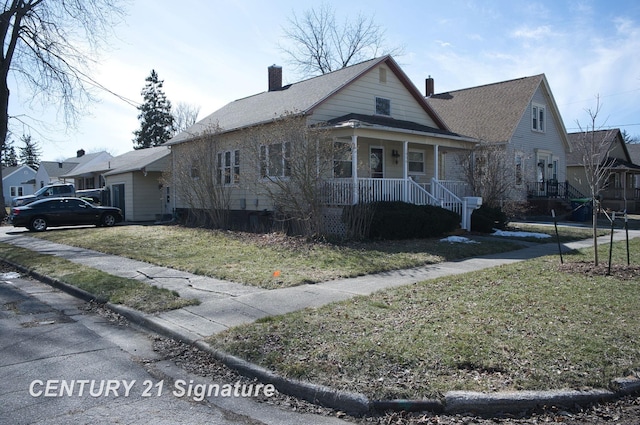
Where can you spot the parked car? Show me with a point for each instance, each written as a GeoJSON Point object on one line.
{"type": "Point", "coordinates": [58, 189]}
{"type": "Point", "coordinates": [52, 212]}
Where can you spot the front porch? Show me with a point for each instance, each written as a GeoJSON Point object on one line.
{"type": "Point", "coordinates": [451, 195]}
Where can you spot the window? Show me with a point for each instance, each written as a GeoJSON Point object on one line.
{"type": "Point", "coordinates": [519, 161]}
{"type": "Point", "coordinates": [16, 191]}
{"type": "Point", "coordinates": [538, 118]}
{"type": "Point", "coordinates": [342, 162]}
{"type": "Point", "coordinates": [416, 162]}
{"type": "Point", "coordinates": [274, 160]}
{"type": "Point", "coordinates": [228, 165]}
{"type": "Point", "coordinates": [383, 106]}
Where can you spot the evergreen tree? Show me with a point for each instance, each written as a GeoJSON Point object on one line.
{"type": "Point", "coordinates": [9, 157]}
{"type": "Point", "coordinates": [30, 153]}
{"type": "Point", "coordinates": [156, 120]}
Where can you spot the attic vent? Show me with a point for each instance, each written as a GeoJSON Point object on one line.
{"type": "Point", "coordinates": [383, 75]}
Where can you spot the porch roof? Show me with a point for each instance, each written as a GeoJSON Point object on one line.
{"type": "Point", "coordinates": [381, 123]}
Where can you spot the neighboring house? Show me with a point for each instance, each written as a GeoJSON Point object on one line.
{"type": "Point", "coordinates": [522, 115]}
{"type": "Point", "coordinates": [396, 142]}
{"type": "Point", "coordinates": [17, 181]}
{"type": "Point", "coordinates": [634, 153]}
{"type": "Point", "coordinates": [59, 171]}
{"type": "Point", "coordinates": [620, 191]}
{"type": "Point", "coordinates": [133, 181]}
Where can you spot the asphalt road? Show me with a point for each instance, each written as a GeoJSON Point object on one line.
{"type": "Point", "coordinates": [61, 364]}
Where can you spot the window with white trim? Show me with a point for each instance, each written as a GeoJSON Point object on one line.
{"type": "Point", "coordinates": [519, 169]}
{"type": "Point", "coordinates": [274, 160]}
{"type": "Point", "coordinates": [383, 106]}
{"type": "Point", "coordinates": [415, 161]}
{"type": "Point", "coordinates": [538, 117]}
{"type": "Point", "coordinates": [16, 191]}
{"type": "Point", "coordinates": [228, 165]}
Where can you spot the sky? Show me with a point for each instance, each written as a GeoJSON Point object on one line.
{"type": "Point", "coordinates": [210, 53]}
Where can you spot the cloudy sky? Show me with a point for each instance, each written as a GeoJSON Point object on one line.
{"type": "Point", "coordinates": [212, 52]}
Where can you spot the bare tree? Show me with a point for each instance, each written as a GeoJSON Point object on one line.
{"type": "Point", "coordinates": [594, 147]}
{"type": "Point", "coordinates": [201, 181]}
{"type": "Point", "coordinates": [488, 169]}
{"type": "Point", "coordinates": [319, 44]}
{"type": "Point", "coordinates": [184, 116]}
{"type": "Point", "coordinates": [49, 46]}
{"type": "Point", "coordinates": [294, 161]}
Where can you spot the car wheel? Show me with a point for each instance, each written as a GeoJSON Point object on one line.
{"type": "Point", "coordinates": [108, 220]}
{"type": "Point", "coordinates": [38, 224]}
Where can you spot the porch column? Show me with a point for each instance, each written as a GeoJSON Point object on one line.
{"type": "Point", "coordinates": [405, 170]}
{"type": "Point", "coordinates": [436, 159]}
{"type": "Point", "coordinates": [354, 167]}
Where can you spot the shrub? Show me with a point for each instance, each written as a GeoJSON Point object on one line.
{"type": "Point", "coordinates": [485, 219]}
{"type": "Point", "coordinates": [400, 220]}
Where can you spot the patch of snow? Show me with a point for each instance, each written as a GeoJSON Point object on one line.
{"type": "Point", "coordinates": [9, 275]}
{"type": "Point", "coordinates": [457, 239]}
{"type": "Point", "coordinates": [520, 234]}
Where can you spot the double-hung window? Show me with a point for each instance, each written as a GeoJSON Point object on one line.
{"type": "Point", "coordinates": [228, 165]}
{"type": "Point", "coordinates": [519, 172]}
{"type": "Point", "coordinates": [274, 160]}
{"type": "Point", "coordinates": [416, 162]}
{"type": "Point", "coordinates": [538, 117]}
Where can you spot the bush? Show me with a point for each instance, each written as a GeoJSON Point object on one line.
{"type": "Point", "coordinates": [485, 219]}
{"type": "Point", "coordinates": [400, 220]}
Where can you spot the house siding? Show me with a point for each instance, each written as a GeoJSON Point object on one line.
{"type": "Point", "coordinates": [17, 179]}
{"type": "Point", "coordinates": [147, 196]}
{"type": "Point", "coordinates": [534, 144]}
{"type": "Point", "coordinates": [360, 98]}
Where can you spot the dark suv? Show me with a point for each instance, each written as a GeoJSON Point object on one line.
{"type": "Point", "coordinates": [51, 190]}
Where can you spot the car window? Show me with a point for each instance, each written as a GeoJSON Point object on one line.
{"type": "Point", "coordinates": [74, 203]}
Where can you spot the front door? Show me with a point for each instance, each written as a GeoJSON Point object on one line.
{"type": "Point", "coordinates": [376, 162]}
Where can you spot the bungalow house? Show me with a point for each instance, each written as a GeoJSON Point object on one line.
{"type": "Point", "coordinates": [522, 115]}
{"type": "Point", "coordinates": [60, 171]}
{"type": "Point", "coordinates": [395, 142]}
{"type": "Point", "coordinates": [17, 181]}
{"type": "Point", "coordinates": [619, 191]}
{"type": "Point", "coordinates": [132, 182]}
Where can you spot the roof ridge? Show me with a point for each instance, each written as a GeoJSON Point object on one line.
{"type": "Point", "coordinates": [539, 76]}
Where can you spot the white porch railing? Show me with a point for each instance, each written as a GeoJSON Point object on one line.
{"type": "Point", "coordinates": [340, 192]}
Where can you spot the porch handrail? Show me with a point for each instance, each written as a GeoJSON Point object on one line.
{"type": "Point", "coordinates": [419, 195]}
{"type": "Point", "coordinates": [446, 198]}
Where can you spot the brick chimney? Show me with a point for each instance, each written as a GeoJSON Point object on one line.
{"type": "Point", "coordinates": [430, 86]}
{"type": "Point", "coordinates": [80, 153]}
{"type": "Point", "coordinates": [275, 78]}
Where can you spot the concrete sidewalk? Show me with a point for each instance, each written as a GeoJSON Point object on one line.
{"type": "Point", "coordinates": [227, 304]}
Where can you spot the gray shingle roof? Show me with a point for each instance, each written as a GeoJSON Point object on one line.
{"type": "Point", "coordinates": [490, 112]}
{"type": "Point", "coordinates": [610, 136]}
{"type": "Point", "coordinates": [301, 97]}
{"type": "Point", "coordinates": [634, 152]}
{"type": "Point", "coordinates": [130, 161]}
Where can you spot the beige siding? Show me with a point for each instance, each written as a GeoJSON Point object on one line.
{"type": "Point", "coordinates": [147, 197]}
{"type": "Point", "coordinates": [360, 98]}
